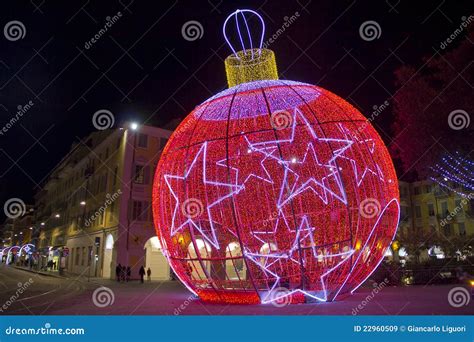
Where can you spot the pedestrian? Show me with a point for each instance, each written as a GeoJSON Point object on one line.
{"type": "Point", "coordinates": [141, 272]}
{"type": "Point", "coordinates": [123, 272]}
{"type": "Point", "coordinates": [118, 269]}
{"type": "Point", "coordinates": [189, 270]}
{"type": "Point", "coordinates": [148, 274]}
{"type": "Point", "coordinates": [129, 273]}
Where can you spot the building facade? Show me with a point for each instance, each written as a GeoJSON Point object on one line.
{"type": "Point", "coordinates": [435, 216]}
{"type": "Point", "coordinates": [94, 211]}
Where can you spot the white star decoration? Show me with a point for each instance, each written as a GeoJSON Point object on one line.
{"type": "Point", "coordinates": [320, 186]}
{"type": "Point", "coordinates": [368, 144]}
{"type": "Point", "coordinates": [196, 222]}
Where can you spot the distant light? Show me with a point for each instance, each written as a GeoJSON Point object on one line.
{"type": "Point", "coordinates": [134, 126]}
{"type": "Point", "coordinates": [390, 181]}
{"type": "Point", "coordinates": [249, 150]}
{"type": "Point", "coordinates": [83, 203]}
{"type": "Point", "coordinates": [42, 223]}
{"type": "Point", "coordinates": [31, 228]}
{"type": "Point", "coordinates": [57, 216]}
{"type": "Point", "coordinates": [16, 235]}
{"type": "Point", "coordinates": [445, 179]}
{"type": "Point", "coordinates": [21, 233]}
{"type": "Point", "coordinates": [293, 160]}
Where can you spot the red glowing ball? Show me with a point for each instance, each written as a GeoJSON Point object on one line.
{"type": "Point", "coordinates": [275, 191]}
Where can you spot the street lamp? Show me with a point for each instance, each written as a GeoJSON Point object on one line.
{"type": "Point", "coordinates": [57, 216]}
{"type": "Point", "coordinates": [83, 203]}
{"type": "Point", "coordinates": [134, 126]}
{"type": "Point", "coordinates": [42, 223]}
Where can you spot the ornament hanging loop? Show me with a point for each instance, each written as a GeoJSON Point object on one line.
{"type": "Point", "coordinates": [241, 13]}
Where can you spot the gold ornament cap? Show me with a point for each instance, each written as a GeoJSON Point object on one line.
{"type": "Point", "coordinates": [250, 65]}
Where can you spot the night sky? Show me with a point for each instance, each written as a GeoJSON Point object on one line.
{"type": "Point", "coordinates": [143, 69]}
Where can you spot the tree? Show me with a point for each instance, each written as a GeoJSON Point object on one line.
{"type": "Point", "coordinates": [415, 241]}
{"type": "Point", "coordinates": [423, 102]}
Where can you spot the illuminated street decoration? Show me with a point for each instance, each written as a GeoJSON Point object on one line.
{"type": "Point", "coordinates": [279, 170]}
{"type": "Point", "coordinates": [26, 248]}
{"type": "Point", "coordinates": [455, 170]}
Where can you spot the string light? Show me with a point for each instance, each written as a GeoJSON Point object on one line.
{"type": "Point", "coordinates": [455, 170]}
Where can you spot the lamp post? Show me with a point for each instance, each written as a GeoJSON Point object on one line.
{"type": "Point", "coordinates": [88, 173]}
{"type": "Point", "coordinates": [133, 127]}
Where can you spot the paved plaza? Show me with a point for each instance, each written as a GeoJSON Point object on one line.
{"type": "Point", "coordinates": [53, 295]}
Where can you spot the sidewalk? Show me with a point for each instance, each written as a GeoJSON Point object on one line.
{"type": "Point", "coordinates": [94, 280]}
{"type": "Point", "coordinates": [45, 273]}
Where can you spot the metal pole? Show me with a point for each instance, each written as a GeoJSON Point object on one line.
{"type": "Point", "coordinates": [130, 197]}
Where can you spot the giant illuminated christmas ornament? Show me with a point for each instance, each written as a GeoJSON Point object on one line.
{"type": "Point", "coordinates": [273, 191]}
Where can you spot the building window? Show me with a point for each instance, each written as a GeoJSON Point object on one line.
{"type": "Point", "coordinates": [163, 142]}
{"type": "Point", "coordinates": [462, 228]}
{"type": "Point", "coordinates": [102, 218]}
{"type": "Point", "coordinates": [416, 190]}
{"type": "Point", "coordinates": [77, 256]}
{"type": "Point", "coordinates": [89, 257]}
{"type": "Point", "coordinates": [417, 211]}
{"type": "Point", "coordinates": [140, 210]}
{"type": "Point", "coordinates": [83, 256]}
{"type": "Point", "coordinates": [447, 230]}
{"type": "Point", "coordinates": [142, 140]}
{"type": "Point", "coordinates": [458, 205]}
{"type": "Point", "coordinates": [104, 181]}
{"type": "Point", "coordinates": [115, 175]}
{"type": "Point", "coordinates": [431, 209]}
{"type": "Point", "coordinates": [112, 207]}
{"type": "Point", "coordinates": [444, 208]}
{"type": "Point", "coordinates": [139, 176]}
{"type": "Point", "coordinates": [428, 189]}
